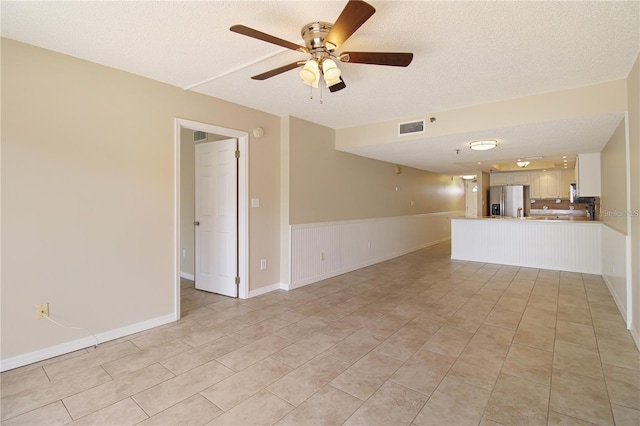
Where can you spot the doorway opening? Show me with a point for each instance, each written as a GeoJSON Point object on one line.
{"type": "Point", "coordinates": [242, 253]}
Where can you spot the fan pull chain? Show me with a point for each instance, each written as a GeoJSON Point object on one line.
{"type": "Point", "coordinates": [321, 101]}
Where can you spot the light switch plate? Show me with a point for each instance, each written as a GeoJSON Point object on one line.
{"type": "Point", "coordinates": [255, 202]}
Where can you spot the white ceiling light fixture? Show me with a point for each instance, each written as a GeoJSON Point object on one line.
{"type": "Point", "coordinates": [310, 73]}
{"type": "Point", "coordinates": [483, 145]}
{"type": "Point", "coordinates": [330, 72]}
{"type": "Point", "coordinates": [523, 164]}
{"type": "Point", "coordinates": [468, 177]}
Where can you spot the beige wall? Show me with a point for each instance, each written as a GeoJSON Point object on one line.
{"type": "Point", "coordinates": [613, 170]}
{"type": "Point", "coordinates": [328, 185]}
{"type": "Point", "coordinates": [633, 96]}
{"type": "Point", "coordinates": [88, 194]}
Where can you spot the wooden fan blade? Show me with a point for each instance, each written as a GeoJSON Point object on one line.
{"type": "Point", "coordinates": [250, 32]}
{"type": "Point", "coordinates": [393, 59]}
{"type": "Point", "coordinates": [276, 71]}
{"type": "Point", "coordinates": [354, 14]}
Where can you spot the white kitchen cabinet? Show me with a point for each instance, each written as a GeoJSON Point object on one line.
{"type": "Point", "coordinates": [498, 179]}
{"type": "Point", "coordinates": [588, 174]}
{"type": "Point", "coordinates": [517, 178]}
{"type": "Point", "coordinates": [567, 177]}
{"type": "Point", "coordinates": [545, 185]}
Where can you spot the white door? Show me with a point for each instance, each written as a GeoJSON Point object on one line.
{"type": "Point", "coordinates": [216, 218]}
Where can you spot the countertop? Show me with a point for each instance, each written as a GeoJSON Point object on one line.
{"type": "Point", "coordinates": [537, 218]}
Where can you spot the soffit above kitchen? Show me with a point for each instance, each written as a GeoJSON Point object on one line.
{"type": "Point", "coordinates": [465, 54]}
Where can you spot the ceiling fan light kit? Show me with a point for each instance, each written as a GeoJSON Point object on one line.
{"type": "Point", "coordinates": [483, 145]}
{"type": "Point", "coordinates": [321, 40]}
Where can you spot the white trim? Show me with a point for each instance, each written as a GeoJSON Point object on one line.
{"type": "Point", "coordinates": [243, 197]}
{"type": "Point", "coordinates": [187, 276]}
{"type": "Point", "coordinates": [85, 342]}
{"type": "Point", "coordinates": [265, 289]}
{"type": "Point", "coordinates": [629, 271]}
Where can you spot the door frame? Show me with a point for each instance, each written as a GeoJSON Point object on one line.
{"type": "Point", "coordinates": [243, 197]}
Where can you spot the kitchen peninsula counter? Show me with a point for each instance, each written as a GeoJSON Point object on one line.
{"type": "Point", "coordinates": [546, 243]}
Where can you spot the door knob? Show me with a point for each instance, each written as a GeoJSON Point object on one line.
{"type": "Point", "coordinates": [196, 223]}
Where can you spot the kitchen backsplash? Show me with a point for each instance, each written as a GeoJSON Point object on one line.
{"type": "Point", "coordinates": [564, 204]}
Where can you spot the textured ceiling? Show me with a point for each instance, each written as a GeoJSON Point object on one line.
{"type": "Point", "coordinates": [465, 53]}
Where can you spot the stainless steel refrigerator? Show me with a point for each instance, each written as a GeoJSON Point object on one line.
{"type": "Point", "coordinates": [509, 201]}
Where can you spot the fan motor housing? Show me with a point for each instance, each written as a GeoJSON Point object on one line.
{"type": "Point", "coordinates": [314, 33]}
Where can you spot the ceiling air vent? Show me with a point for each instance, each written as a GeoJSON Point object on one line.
{"type": "Point", "coordinates": [199, 136]}
{"type": "Point", "coordinates": [411, 127]}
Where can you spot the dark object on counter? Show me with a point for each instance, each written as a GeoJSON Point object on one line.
{"type": "Point", "coordinates": [591, 212]}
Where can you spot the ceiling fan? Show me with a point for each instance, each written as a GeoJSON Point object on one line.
{"type": "Point", "coordinates": [321, 41]}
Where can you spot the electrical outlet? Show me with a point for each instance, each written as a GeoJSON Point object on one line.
{"type": "Point", "coordinates": [263, 264]}
{"type": "Point", "coordinates": [42, 310]}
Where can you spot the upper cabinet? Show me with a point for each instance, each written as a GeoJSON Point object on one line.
{"type": "Point", "coordinates": [588, 175]}
{"type": "Point", "coordinates": [516, 178]}
{"type": "Point", "coordinates": [547, 184]}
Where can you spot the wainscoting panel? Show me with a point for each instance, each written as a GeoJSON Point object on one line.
{"type": "Point", "coordinates": [556, 245]}
{"type": "Point", "coordinates": [614, 268]}
{"type": "Point", "coordinates": [324, 250]}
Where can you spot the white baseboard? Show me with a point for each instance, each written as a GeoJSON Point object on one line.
{"type": "Point", "coordinates": [265, 289]}
{"type": "Point", "coordinates": [187, 276]}
{"type": "Point", "coordinates": [85, 342]}
{"type": "Point", "coordinates": [622, 307]}
{"type": "Point", "coordinates": [636, 336]}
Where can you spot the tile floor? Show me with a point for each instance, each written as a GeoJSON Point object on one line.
{"type": "Point", "coordinates": [417, 340]}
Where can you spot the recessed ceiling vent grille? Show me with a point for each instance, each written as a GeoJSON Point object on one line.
{"type": "Point", "coordinates": [199, 136]}
{"type": "Point", "coordinates": [411, 127]}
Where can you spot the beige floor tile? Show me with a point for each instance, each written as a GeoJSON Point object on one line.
{"type": "Point", "coordinates": [172, 391]}
{"type": "Point", "coordinates": [138, 360]}
{"type": "Point", "coordinates": [123, 413]}
{"type": "Point", "coordinates": [557, 419]}
{"type": "Point", "coordinates": [196, 357]}
{"type": "Point", "coordinates": [253, 352]}
{"type": "Point", "coordinates": [167, 333]}
{"type": "Point", "coordinates": [196, 410]}
{"type": "Point", "coordinates": [535, 335]}
{"type": "Point", "coordinates": [454, 403]}
{"type": "Point", "coordinates": [314, 411]}
{"type": "Point", "coordinates": [404, 343]}
{"type": "Point", "coordinates": [27, 400]}
{"type": "Point", "coordinates": [259, 330]}
{"type": "Point", "coordinates": [301, 329]}
{"type": "Point", "coordinates": [517, 401]}
{"type": "Point", "coordinates": [503, 318]}
{"type": "Point", "coordinates": [512, 303]}
{"type": "Point", "coordinates": [101, 356]}
{"type": "Point", "coordinates": [466, 319]}
{"type": "Point", "coordinates": [580, 396]}
{"type": "Point", "coordinates": [263, 408]}
{"type": "Point", "coordinates": [477, 367]}
{"type": "Point", "coordinates": [621, 352]}
{"type": "Point", "coordinates": [625, 415]}
{"type": "Point", "coordinates": [573, 314]}
{"type": "Point", "coordinates": [623, 385]}
{"type": "Point", "coordinates": [306, 348]}
{"type": "Point", "coordinates": [354, 347]}
{"type": "Point", "coordinates": [21, 380]}
{"type": "Point", "coordinates": [529, 363]}
{"type": "Point", "coordinates": [50, 415]}
{"type": "Point", "coordinates": [364, 377]}
{"type": "Point", "coordinates": [534, 315]}
{"type": "Point", "coordinates": [212, 333]}
{"type": "Point", "coordinates": [307, 379]}
{"type": "Point", "coordinates": [392, 404]}
{"type": "Point", "coordinates": [94, 399]}
{"type": "Point", "coordinates": [579, 334]}
{"type": "Point", "coordinates": [234, 389]}
{"type": "Point", "coordinates": [424, 371]}
{"type": "Point", "coordinates": [448, 341]}
{"type": "Point", "coordinates": [494, 339]}
{"type": "Point", "coordinates": [388, 324]}
{"type": "Point", "coordinates": [577, 359]}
